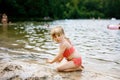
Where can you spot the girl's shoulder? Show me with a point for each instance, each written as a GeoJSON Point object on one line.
{"type": "Point", "coordinates": [62, 46]}
{"type": "Point", "coordinates": [67, 44]}
{"type": "Point", "coordinates": [63, 43]}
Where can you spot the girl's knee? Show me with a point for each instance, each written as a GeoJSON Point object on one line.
{"type": "Point", "coordinates": [59, 69]}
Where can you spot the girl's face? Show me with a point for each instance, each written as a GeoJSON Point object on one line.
{"type": "Point", "coordinates": [58, 38]}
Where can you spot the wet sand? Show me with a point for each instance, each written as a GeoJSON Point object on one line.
{"type": "Point", "coordinates": [19, 70]}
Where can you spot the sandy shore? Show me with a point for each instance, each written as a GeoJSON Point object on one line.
{"type": "Point", "coordinates": [18, 70]}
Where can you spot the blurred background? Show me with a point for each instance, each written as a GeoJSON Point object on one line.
{"type": "Point", "coordinates": [60, 9]}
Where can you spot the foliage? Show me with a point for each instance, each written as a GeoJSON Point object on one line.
{"type": "Point", "coordinates": [60, 9]}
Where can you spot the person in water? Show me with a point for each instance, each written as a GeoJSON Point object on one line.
{"type": "Point", "coordinates": [4, 19]}
{"type": "Point", "coordinates": [114, 27]}
{"type": "Point", "coordinates": [119, 26]}
{"type": "Point", "coordinates": [67, 51]}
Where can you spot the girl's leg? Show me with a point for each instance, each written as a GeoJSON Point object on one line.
{"type": "Point", "coordinates": [69, 66]}
{"type": "Point", "coordinates": [74, 69]}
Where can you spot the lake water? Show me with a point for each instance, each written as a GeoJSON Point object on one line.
{"type": "Point", "coordinates": [30, 42]}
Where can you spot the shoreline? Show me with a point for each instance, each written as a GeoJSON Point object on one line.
{"type": "Point", "coordinates": [19, 70]}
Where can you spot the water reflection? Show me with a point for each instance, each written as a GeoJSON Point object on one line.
{"type": "Point", "coordinates": [30, 41]}
{"type": "Point", "coordinates": [5, 30]}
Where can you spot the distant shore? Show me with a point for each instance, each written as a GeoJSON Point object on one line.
{"type": "Point", "coordinates": [30, 19]}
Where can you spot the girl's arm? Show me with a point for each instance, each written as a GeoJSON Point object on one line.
{"type": "Point", "coordinates": [55, 59]}
{"type": "Point", "coordinates": [59, 56]}
{"type": "Point", "coordinates": [60, 59]}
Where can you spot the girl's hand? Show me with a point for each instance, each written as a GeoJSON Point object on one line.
{"type": "Point", "coordinates": [49, 61]}
{"type": "Point", "coordinates": [58, 61]}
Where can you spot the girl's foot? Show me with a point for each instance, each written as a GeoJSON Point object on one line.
{"type": "Point", "coordinates": [80, 68]}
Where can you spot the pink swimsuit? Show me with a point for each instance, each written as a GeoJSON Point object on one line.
{"type": "Point", "coordinates": [68, 52]}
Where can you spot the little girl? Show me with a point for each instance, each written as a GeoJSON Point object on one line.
{"type": "Point", "coordinates": [66, 50]}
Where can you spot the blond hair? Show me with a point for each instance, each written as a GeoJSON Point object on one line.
{"type": "Point", "coordinates": [57, 31]}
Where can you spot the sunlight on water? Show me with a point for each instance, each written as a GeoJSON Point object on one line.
{"type": "Point", "coordinates": [98, 45]}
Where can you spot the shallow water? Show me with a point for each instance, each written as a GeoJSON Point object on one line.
{"type": "Point", "coordinates": [30, 42]}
